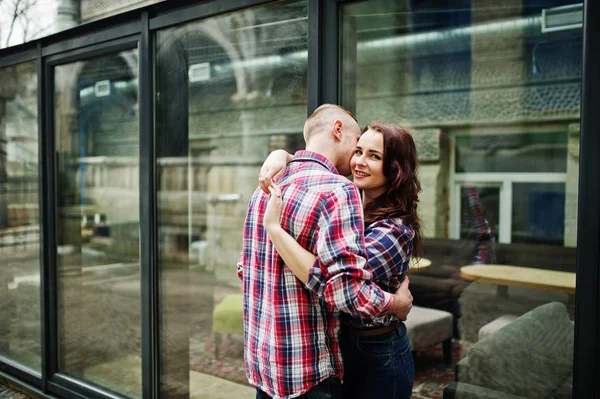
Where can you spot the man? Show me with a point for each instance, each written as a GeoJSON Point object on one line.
{"type": "Point", "coordinates": [291, 330]}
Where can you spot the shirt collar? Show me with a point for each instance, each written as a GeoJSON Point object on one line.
{"type": "Point", "coordinates": [309, 156]}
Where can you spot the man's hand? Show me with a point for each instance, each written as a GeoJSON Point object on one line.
{"type": "Point", "coordinates": [402, 301]}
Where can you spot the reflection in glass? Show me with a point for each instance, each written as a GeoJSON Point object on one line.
{"type": "Point", "coordinates": [229, 89]}
{"type": "Point", "coordinates": [479, 221]}
{"type": "Point", "coordinates": [540, 214]}
{"type": "Point", "coordinates": [19, 216]}
{"type": "Point", "coordinates": [491, 91]}
{"type": "Point", "coordinates": [97, 226]}
{"type": "Point", "coordinates": [512, 153]}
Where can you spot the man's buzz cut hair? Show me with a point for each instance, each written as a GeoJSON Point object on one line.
{"type": "Point", "coordinates": [315, 118]}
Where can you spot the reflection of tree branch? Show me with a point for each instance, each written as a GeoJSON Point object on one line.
{"type": "Point", "coordinates": [34, 34]}
{"type": "Point", "coordinates": [25, 26]}
{"type": "Point", "coordinates": [20, 11]}
{"type": "Point", "coordinates": [15, 15]}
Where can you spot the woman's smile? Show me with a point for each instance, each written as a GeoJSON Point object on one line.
{"type": "Point", "coordinates": [367, 164]}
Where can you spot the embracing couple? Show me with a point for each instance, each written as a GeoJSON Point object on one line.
{"type": "Point", "coordinates": [325, 291]}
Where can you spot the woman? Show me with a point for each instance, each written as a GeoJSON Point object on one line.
{"type": "Point", "coordinates": [377, 358]}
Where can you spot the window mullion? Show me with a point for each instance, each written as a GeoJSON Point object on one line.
{"type": "Point", "coordinates": [505, 222]}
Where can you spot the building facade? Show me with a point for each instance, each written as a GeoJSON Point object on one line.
{"type": "Point", "coordinates": [131, 141]}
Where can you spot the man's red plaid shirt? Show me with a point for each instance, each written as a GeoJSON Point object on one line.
{"type": "Point", "coordinates": [291, 330]}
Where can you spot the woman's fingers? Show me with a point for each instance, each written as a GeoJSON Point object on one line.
{"type": "Point", "coordinates": [264, 183]}
{"type": "Point", "coordinates": [272, 172]}
{"type": "Point", "coordinates": [266, 177]}
{"type": "Point", "coordinates": [276, 190]}
{"type": "Point", "coordinates": [272, 169]}
{"type": "Point", "coordinates": [274, 207]}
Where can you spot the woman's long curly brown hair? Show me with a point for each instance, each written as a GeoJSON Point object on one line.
{"type": "Point", "coordinates": [400, 165]}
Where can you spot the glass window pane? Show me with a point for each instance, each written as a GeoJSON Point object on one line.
{"type": "Point", "coordinates": [538, 213]}
{"type": "Point", "coordinates": [479, 211]}
{"type": "Point", "coordinates": [230, 89]}
{"type": "Point", "coordinates": [19, 216]}
{"type": "Point", "coordinates": [492, 95]}
{"type": "Point", "coordinates": [512, 153]}
{"type": "Point", "coordinates": [97, 227]}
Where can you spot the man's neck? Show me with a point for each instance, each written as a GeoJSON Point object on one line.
{"type": "Point", "coordinates": [324, 150]}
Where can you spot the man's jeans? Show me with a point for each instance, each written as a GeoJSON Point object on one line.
{"type": "Point", "coordinates": [377, 367]}
{"type": "Point", "coordinates": [330, 388]}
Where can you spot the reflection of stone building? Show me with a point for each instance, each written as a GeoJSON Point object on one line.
{"type": "Point", "coordinates": [97, 9]}
{"type": "Point", "coordinates": [455, 85]}
{"type": "Point", "coordinates": [19, 216]}
{"type": "Point", "coordinates": [232, 90]}
{"type": "Point", "coordinates": [18, 146]}
{"type": "Point", "coordinates": [500, 79]}
{"type": "Point", "coordinates": [229, 128]}
{"type": "Point", "coordinates": [492, 98]}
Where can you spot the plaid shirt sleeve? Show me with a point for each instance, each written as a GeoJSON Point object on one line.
{"type": "Point", "coordinates": [339, 275]}
{"type": "Point", "coordinates": [389, 247]}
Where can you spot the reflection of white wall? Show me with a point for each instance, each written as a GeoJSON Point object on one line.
{"type": "Point", "coordinates": [239, 44]}
{"type": "Point", "coordinates": [572, 191]}
{"type": "Point", "coordinates": [22, 137]}
{"type": "Point", "coordinates": [429, 177]}
{"type": "Point", "coordinates": [112, 187]}
{"type": "Point", "coordinates": [433, 175]}
{"type": "Point", "coordinates": [22, 159]}
{"type": "Point", "coordinates": [225, 221]}
{"type": "Point", "coordinates": [199, 252]}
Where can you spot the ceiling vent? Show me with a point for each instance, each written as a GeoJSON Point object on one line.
{"type": "Point", "coordinates": [102, 88]}
{"type": "Point", "coordinates": [562, 18]}
{"type": "Point", "coordinates": [199, 72]}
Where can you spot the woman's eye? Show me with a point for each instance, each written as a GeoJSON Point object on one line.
{"type": "Point", "coordinates": [357, 152]}
{"type": "Point", "coordinates": [376, 157]}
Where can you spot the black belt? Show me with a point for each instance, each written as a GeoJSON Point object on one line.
{"type": "Point", "coordinates": [369, 332]}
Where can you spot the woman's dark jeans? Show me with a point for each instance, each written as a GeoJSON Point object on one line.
{"type": "Point", "coordinates": [330, 388]}
{"type": "Point", "coordinates": [377, 367]}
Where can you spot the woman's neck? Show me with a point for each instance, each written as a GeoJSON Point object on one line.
{"type": "Point", "coordinates": [370, 195]}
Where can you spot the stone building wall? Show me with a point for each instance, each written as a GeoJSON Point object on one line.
{"type": "Point", "coordinates": [490, 86]}
{"type": "Point", "coordinates": [487, 81]}
{"type": "Point", "coordinates": [241, 140]}
{"type": "Point", "coordinates": [92, 10]}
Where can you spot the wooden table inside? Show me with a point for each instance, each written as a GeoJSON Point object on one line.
{"type": "Point", "coordinates": [519, 276]}
{"type": "Point", "coordinates": [417, 265]}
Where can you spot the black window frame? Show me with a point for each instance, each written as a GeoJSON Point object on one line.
{"type": "Point", "coordinates": [108, 42]}
{"type": "Point", "coordinates": [324, 19]}
{"type": "Point", "coordinates": [11, 369]}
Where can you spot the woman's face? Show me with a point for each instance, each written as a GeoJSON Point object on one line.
{"type": "Point", "coordinates": [367, 164]}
